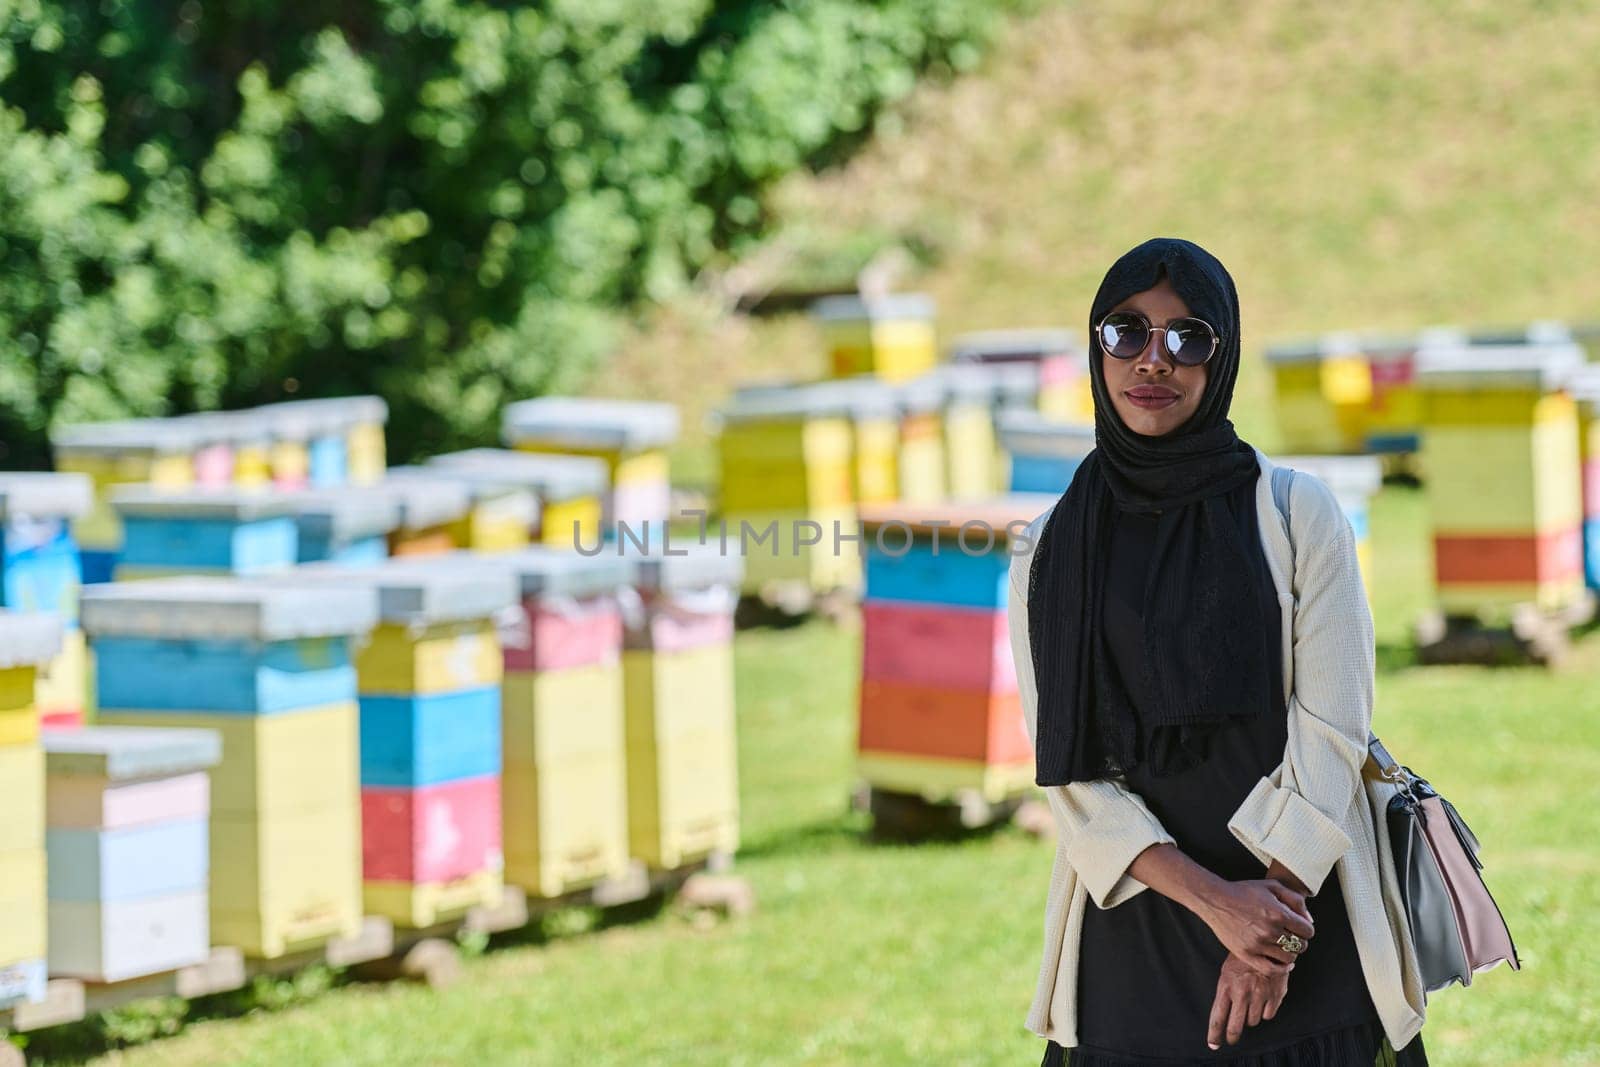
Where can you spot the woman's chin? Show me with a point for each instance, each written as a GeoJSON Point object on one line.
{"type": "Point", "coordinates": [1148, 423]}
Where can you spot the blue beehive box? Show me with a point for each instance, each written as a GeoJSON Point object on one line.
{"type": "Point", "coordinates": [917, 553]}
{"type": "Point", "coordinates": [416, 741]}
{"type": "Point", "coordinates": [204, 531]}
{"type": "Point", "coordinates": [39, 562]}
{"type": "Point", "coordinates": [348, 526]}
{"type": "Point", "coordinates": [1044, 452]}
{"type": "Point", "coordinates": [230, 646]}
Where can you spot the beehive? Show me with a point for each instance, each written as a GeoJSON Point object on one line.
{"type": "Point", "coordinates": [1355, 480]}
{"type": "Point", "coordinates": [1585, 387]}
{"type": "Point", "coordinates": [920, 458]}
{"type": "Point", "coordinates": [214, 444]}
{"type": "Point", "coordinates": [430, 509]}
{"type": "Point", "coordinates": [1043, 453]}
{"type": "Point", "coordinates": [269, 666]}
{"type": "Point", "coordinates": [631, 436]}
{"type": "Point", "coordinates": [40, 571]}
{"type": "Point", "coordinates": [1500, 459]}
{"type": "Point", "coordinates": [430, 736]}
{"type": "Point", "coordinates": [787, 460]}
{"type": "Point", "coordinates": [500, 516]}
{"type": "Point", "coordinates": [26, 642]}
{"type": "Point", "coordinates": [940, 711]}
{"type": "Point", "coordinates": [350, 525]}
{"type": "Point", "coordinates": [683, 781]}
{"type": "Point", "coordinates": [1055, 357]}
{"type": "Point", "coordinates": [570, 490]}
{"type": "Point", "coordinates": [127, 810]}
{"type": "Point", "coordinates": [870, 410]}
{"type": "Point", "coordinates": [1322, 392]}
{"type": "Point", "coordinates": [971, 397]}
{"type": "Point", "coordinates": [342, 437]}
{"type": "Point", "coordinates": [203, 531]}
{"type": "Point", "coordinates": [157, 452]}
{"type": "Point", "coordinates": [889, 336]}
{"type": "Point", "coordinates": [564, 786]}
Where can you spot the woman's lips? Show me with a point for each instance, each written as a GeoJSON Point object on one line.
{"type": "Point", "coordinates": [1147, 397]}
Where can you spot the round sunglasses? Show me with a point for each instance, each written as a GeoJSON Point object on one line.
{"type": "Point", "coordinates": [1189, 341]}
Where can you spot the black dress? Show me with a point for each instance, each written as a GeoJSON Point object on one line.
{"type": "Point", "coordinates": [1148, 967]}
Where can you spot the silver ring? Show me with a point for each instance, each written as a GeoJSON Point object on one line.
{"type": "Point", "coordinates": [1292, 943]}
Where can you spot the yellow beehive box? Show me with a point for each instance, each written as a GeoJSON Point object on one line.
{"type": "Point", "coordinates": [418, 906]}
{"type": "Point", "coordinates": [1322, 394]}
{"type": "Point", "coordinates": [565, 714]}
{"type": "Point", "coordinates": [1499, 479]}
{"type": "Point", "coordinates": [285, 881]}
{"type": "Point", "coordinates": [571, 522]}
{"type": "Point", "coordinates": [565, 823]}
{"type": "Point", "coordinates": [939, 779]}
{"type": "Point", "coordinates": [677, 693]}
{"type": "Point", "coordinates": [889, 336]}
{"type": "Point", "coordinates": [563, 784]}
{"type": "Point", "coordinates": [159, 452]}
{"type": "Point", "coordinates": [683, 799]}
{"type": "Point", "coordinates": [27, 639]}
{"type": "Point", "coordinates": [682, 753]}
{"type": "Point", "coordinates": [439, 657]}
{"type": "Point", "coordinates": [19, 715]}
{"type": "Point", "coordinates": [784, 459]}
{"type": "Point", "coordinates": [794, 546]}
{"type": "Point", "coordinates": [22, 778]}
{"type": "Point", "coordinates": [23, 904]}
{"type": "Point", "coordinates": [282, 762]}
{"type": "Point", "coordinates": [569, 490]}
{"type": "Point", "coordinates": [971, 394]}
{"type": "Point", "coordinates": [630, 436]}
{"type": "Point", "coordinates": [496, 523]}
{"type": "Point", "coordinates": [63, 683]}
{"type": "Point", "coordinates": [368, 453]}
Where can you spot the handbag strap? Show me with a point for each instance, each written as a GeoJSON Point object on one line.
{"type": "Point", "coordinates": [1282, 480]}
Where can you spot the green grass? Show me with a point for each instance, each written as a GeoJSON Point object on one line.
{"type": "Point", "coordinates": [885, 954]}
{"type": "Point", "coordinates": [1367, 164]}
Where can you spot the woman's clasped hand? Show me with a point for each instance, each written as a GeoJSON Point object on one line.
{"type": "Point", "coordinates": [1249, 918]}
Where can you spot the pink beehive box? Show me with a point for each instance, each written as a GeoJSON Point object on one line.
{"type": "Point", "coordinates": [556, 632]}
{"type": "Point", "coordinates": [88, 803]}
{"type": "Point", "coordinates": [679, 620]}
{"type": "Point", "coordinates": [937, 645]}
{"type": "Point", "coordinates": [437, 833]}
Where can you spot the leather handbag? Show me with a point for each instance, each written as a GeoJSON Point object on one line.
{"type": "Point", "coordinates": [1455, 925]}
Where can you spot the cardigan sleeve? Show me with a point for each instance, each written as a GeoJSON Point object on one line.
{"type": "Point", "coordinates": [1294, 815]}
{"type": "Point", "coordinates": [1102, 825]}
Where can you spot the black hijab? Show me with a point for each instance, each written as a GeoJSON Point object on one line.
{"type": "Point", "coordinates": [1205, 635]}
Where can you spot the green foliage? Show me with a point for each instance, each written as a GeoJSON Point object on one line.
{"type": "Point", "coordinates": [446, 202]}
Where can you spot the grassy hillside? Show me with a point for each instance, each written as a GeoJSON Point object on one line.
{"type": "Point", "coordinates": [1367, 164]}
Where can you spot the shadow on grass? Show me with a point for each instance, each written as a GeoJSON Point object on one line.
{"type": "Point", "coordinates": [1394, 658]}
{"type": "Point", "coordinates": [842, 831]}
{"type": "Point", "coordinates": [144, 1021]}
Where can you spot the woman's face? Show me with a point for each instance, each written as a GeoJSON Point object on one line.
{"type": "Point", "coordinates": [1151, 393]}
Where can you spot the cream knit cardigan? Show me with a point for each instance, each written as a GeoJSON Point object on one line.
{"type": "Point", "coordinates": [1312, 813]}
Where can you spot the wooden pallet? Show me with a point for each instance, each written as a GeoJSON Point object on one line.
{"type": "Point", "coordinates": [377, 951]}
{"type": "Point", "coordinates": [909, 816]}
{"type": "Point", "coordinates": [67, 1000]}
{"type": "Point", "coordinates": [1528, 635]}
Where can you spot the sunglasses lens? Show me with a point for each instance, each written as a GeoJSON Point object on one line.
{"type": "Point", "coordinates": [1124, 336]}
{"type": "Point", "coordinates": [1190, 341]}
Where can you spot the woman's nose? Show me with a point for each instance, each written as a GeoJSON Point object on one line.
{"type": "Point", "coordinates": [1154, 358]}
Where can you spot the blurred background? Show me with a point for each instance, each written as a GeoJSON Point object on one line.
{"type": "Point", "coordinates": [411, 292]}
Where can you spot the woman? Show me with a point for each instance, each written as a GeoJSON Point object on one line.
{"type": "Point", "coordinates": [1197, 683]}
